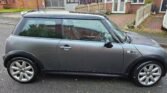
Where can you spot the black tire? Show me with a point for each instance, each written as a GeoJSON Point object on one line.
{"type": "Point", "coordinates": [34, 66]}
{"type": "Point", "coordinates": [139, 67]}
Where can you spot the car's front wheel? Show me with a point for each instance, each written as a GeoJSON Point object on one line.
{"type": "Point", "coordinates": [22, 69]}
{"type": "Point", "coordinates": [148, 73]}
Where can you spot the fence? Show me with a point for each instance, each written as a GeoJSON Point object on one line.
{"type": "Point", "coordinates": [92, 8]}
{"type": "Point", "coordinates": [142, 13]}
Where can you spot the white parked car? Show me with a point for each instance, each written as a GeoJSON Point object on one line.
{"type": "Point", "coordinates": [164, 25]}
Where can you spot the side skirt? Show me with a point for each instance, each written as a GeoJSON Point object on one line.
{"type": "Point", "coordinates": [84, 73]}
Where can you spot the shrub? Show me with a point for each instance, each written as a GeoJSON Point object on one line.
{"type": "Point", "coordinates": [6, 7]}
{"type": "Point", "coordinates": [148, 1]}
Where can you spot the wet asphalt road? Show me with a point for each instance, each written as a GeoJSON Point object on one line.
{"type": "Point", "coordinates": [68, 84]}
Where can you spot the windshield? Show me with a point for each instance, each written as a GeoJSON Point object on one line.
{"type": "Point", "coordinates": [117, 30]}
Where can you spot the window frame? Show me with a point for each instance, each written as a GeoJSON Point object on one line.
{"type": "Point", "coordinates": [21, 24]}
{"type": "Point", "coordinates": [70, 1]}
{"type": "Point", "coordinates": [103, 23]}
{"type": "Point", "coordinates": [137, 2]}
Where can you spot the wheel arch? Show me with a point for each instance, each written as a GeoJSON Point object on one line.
{"type": "Point", "coordinates": [17, 53]}
{"type": "Point", "coordinates": [143, 59]}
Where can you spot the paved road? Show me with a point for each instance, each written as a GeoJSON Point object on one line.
{"type": "Point", "coordinates": [69, 84]}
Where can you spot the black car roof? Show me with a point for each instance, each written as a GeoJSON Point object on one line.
{"type": "Point", "coordinates": [62, 14]}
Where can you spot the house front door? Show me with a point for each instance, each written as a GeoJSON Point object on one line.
{"type": "Point", "coordinates": [118, 6]}
{"type": "Point", "coordinates": [54, 3]}
{"type": "Point", "coordinates": [163, 6]}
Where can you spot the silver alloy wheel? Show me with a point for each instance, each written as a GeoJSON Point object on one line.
{"type": "Point", "coordinates": [149, 74]}
{"type": "Point", "coordinates": [21, 70]}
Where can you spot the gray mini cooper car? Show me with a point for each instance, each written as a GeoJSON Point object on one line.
{"type": "Point", "coordinates": [81, 44]}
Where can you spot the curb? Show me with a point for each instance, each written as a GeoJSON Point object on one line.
{"type": "Point", "coordinates": [10, 17]}
{"type": "Point", "coordinates": [163, 45]}
{"type": "Point", "coordinates": [7, 23]}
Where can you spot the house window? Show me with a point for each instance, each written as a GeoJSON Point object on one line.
{"type": "Point", "coordinates": [72, 1]}
{"type": "Point", "coordinates": [138, 1]}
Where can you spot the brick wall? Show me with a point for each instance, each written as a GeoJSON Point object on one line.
{"type": "Point", "coordinates": [109, 7]}
{"type": "Point", "coordinates": [24, 4]}
{"type": "Point", "coordinates": [128, 7]}
{"type": "Point", "coordinates": [157, 3]}
{"type": "Point", "coordinates": [135, 7]}
{"type": "Point", "coordinates": [1, 6]}
{"type": "Point", "coordinates": [28, 4]}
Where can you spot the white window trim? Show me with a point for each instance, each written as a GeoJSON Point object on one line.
{"type": "Point", "coordinates": [138, 2]}
{"type": "Point", "coordinates": [105, 1]}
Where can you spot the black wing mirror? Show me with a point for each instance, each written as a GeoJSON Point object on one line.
{"type": "Point", "coordinates": [108, 45]}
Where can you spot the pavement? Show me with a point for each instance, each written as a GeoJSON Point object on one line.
{"type": "Point", "coordinates": [10, 15]}
{"type": "Point", "coordinates": [122, 19]}
{"type": "Point", "coordinates": [65, 83]}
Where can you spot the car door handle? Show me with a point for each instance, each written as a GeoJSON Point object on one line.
{"type": "Point", "coordinates": [65, 47]}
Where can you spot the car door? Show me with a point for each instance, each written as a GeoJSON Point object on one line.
{"type": "Point", "coordinates": [82, 48]}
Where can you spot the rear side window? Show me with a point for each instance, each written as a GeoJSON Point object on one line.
{"type": "Point", "coordinates": [39, 27]}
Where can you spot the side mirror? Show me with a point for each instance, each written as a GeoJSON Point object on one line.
{"type": "Point", "coordinates": [108, 45]}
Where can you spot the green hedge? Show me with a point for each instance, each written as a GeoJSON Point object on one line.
{"type": "Point", "coordinates": [148, 1]}
{"type": "Point", "coordinates": [12, 10]}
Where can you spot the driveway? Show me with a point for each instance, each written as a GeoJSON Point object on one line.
{"type": "Point", "coordinates": [68, 84]}
{"type": "Point", "coordinates": [122, 19]}
{"type": "Point", "coordinates": [153, 23]}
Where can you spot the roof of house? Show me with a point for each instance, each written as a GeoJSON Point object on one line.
{"type": "Point", "coordinates": [62, 14]}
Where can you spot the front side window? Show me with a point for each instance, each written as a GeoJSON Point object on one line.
{"type": "Point", "coordinates": [138, 1]}
{"type": "Point", "coordinates": [39, 27]}
{"type": "Point", "coordinates": [116, 29]}
{"type": "Point", "coordinates": [87, 30]}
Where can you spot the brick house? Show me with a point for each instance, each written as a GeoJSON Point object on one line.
{"type": "Point", "coordinates": [115, 6]}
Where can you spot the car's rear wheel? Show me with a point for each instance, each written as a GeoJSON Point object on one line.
{"type": "Point", "coordinates": [22, 69]}
{"type": "Point", "coordinates": [148, 73]}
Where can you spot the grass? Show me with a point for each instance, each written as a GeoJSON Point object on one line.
{"type": "Point", "coordinates": [12, 10]}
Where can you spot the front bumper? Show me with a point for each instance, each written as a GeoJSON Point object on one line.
{"type": "Point", "coordinates": [4, 59]}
